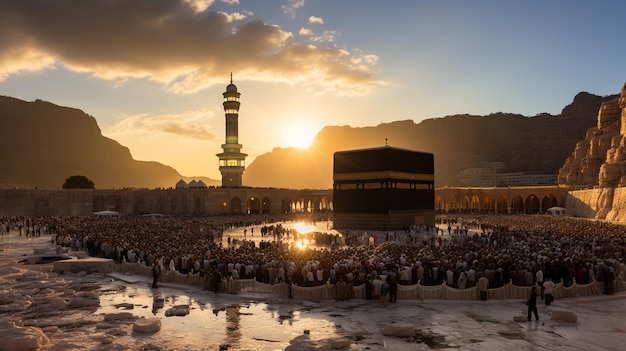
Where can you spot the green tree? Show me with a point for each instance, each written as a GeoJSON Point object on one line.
{"type": "Point", "coordinates": [78, 182]}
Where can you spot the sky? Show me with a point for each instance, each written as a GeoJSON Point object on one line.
{"type": "Point", "coordinates": [152, 72]}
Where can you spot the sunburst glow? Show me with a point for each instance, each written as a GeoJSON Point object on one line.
{"type": "Point", "coordinates": [299, 135]}
{"type": "Point", "coordinates": [303, 228]}
{"type": "Point", "coordinates": [302, 243]}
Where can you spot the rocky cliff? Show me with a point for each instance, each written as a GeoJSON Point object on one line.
{"type": "Point", "coordinates": [42, 144]}
{"type": "Point", "coordinates": [600, 159]}
{"type": "Point", "coordinates": [598, 164]}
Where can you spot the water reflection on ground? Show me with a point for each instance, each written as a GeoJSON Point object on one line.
{"type": "Point", "coordinates": [214, 321]}
{"type": "Point", "coordinates": [304, 238]}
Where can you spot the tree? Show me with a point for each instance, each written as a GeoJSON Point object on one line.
{"type": "Point", "coordinates": [78, 182]}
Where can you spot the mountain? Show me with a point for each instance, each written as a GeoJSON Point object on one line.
{"type": "Point", "coordinates": [537, 145]}
{"type": "Point", "coordinates": [600, 158]}
{"type": "Point", "coordinates": [43, 144]}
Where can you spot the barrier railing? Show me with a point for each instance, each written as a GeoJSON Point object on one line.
{"type": "Point", "coordinates": [405, 292]}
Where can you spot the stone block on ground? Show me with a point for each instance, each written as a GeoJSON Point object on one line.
{"type": "Point", "coordinates": [399, 329]}
{"type": "Point", "coordinates": [57, 303]}
{"type": "Point", "coordinates": [181, 310]}
{"type": "Point", "coordinates": [147, 325]}
{"type": "Point", "coordinates": [339, 344]}
{"type": "Point", "coordinates": [563, 315]}
{"type": "Point", "coordinates": [13, 337]}
{"type": "Point", "coordinates": [117, 316]}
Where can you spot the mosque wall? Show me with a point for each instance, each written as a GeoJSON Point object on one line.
{"type": "Point", "coordinates": [599, 203]}
{"type": "Point", "coordinates": [198, 201]}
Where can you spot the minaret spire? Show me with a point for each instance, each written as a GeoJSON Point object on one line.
{"type": "Point", "coordinates": [232, 160]}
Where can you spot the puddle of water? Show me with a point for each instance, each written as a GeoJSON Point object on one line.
{"type": "Point", "coordinates": [239, 325]}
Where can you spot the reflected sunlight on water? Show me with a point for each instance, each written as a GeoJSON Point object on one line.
{"type": "Point", "coordinates": [302, 243]}
{"type": "Point", "coordinates": [243, 324]}
{"type": "Point", "coordinates": [303, 228]}
{"type": "Point", "coordinates": [301, 235]}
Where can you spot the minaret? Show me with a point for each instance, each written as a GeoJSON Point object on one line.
{"type": "Point", "coordinates": [232, 161]}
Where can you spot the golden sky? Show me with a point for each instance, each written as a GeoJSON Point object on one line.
{"type": "Point", "coordinates": [152, 71]}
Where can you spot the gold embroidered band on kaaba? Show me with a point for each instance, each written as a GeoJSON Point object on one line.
{"type": "Point", "coordinates": [380, 185]}
{"type": "Point", "coordinates": [383, 175]}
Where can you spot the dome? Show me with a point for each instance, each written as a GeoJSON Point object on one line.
{"type": "Point", "coordinates": [231, 88]}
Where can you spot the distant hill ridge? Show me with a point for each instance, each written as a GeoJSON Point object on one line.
{"type": "Point", "coordinates": [42, 144]}
{"type": "Point", "coordinates": [538, 144]}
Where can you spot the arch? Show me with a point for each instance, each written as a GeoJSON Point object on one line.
{"type": "Point", "coordinates": [285, 206]}
{"type": "Point", "coordinates": [548, 201]}
{"type": "Point", "coordinates": [253, 205]}
{"type": "Point", "coordinates": [324, 204]}
{"type": "Point", "coordinates": [475, 204]}
{"type": "Point", "coordinates": [531, 204]}
{"type": "Point", "coordinates": [517, 204]}
{"type": "Point", "coordinates": [440, 205]}
{"type": "Point", "coordinates": [266, 205]}
{"type": "Point", "coordinates": [299, 205]}
{"type": "Point", "coordinates": [235, 205]}
{"type": "Point", "coordinates": [453, 204]}
{"type": "Point", "coordinates": [466, 205]}
{"type": "Point", "coordinates": [501, 205]}
{"type": "Point", "coordinates": [489, 204]}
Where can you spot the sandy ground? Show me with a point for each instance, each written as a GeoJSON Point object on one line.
{"type": "Point", "coordinates": [41, 310]}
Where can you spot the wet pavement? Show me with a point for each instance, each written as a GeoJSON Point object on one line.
{"type": "Point", "coordinates": [261, 322]}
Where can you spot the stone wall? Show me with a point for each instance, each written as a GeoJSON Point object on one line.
{"type": "Point", "coordinates": [618, 210]}
{"type": "Point", "coordinates": [207, 201]}
{"type": "Point", "coordinates": [601, 203]}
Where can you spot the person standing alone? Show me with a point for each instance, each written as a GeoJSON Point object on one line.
{"type": "Point", "coordinates": [156, 272]}
{"type": "Point", "coordinates": [532, 303]}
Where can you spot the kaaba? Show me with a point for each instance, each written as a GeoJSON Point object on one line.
{"type": "Point", "coordinates": [383, 189]}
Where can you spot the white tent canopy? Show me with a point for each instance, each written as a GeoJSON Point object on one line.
{"type": "Point", "coordinates": [557, 211]}
{"type": "Point", "coordinates": [106, 213]}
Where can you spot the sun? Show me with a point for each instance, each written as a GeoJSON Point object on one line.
{"type": "Point", "coordinates": [299, 135]}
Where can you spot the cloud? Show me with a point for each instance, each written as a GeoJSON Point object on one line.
{"type": "Point", "coordinates": [305, 31]}
{"type": "Point", "coordinates": [172, 43]}
{"type": "Point", "coordinates": [24, 59]}
{"type": "Point", "coordinates": [292, 6]}
{"type": "Point", "coordinates": [187, 124]}
{"type": "Point", "coordinates": [314, 19]}
{"type": "Point", "coordinates": [200, 5]}
{"type": "Point", "coordinates": [326, 37]}
{"type": "Point", "coordinates": [236, 16]}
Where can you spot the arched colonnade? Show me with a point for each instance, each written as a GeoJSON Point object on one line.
{"type": "Point", "coordinates": [509, 200]}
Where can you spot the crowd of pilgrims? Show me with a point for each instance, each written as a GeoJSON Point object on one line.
{"type": "Point", "coordinates": [521, 249]}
